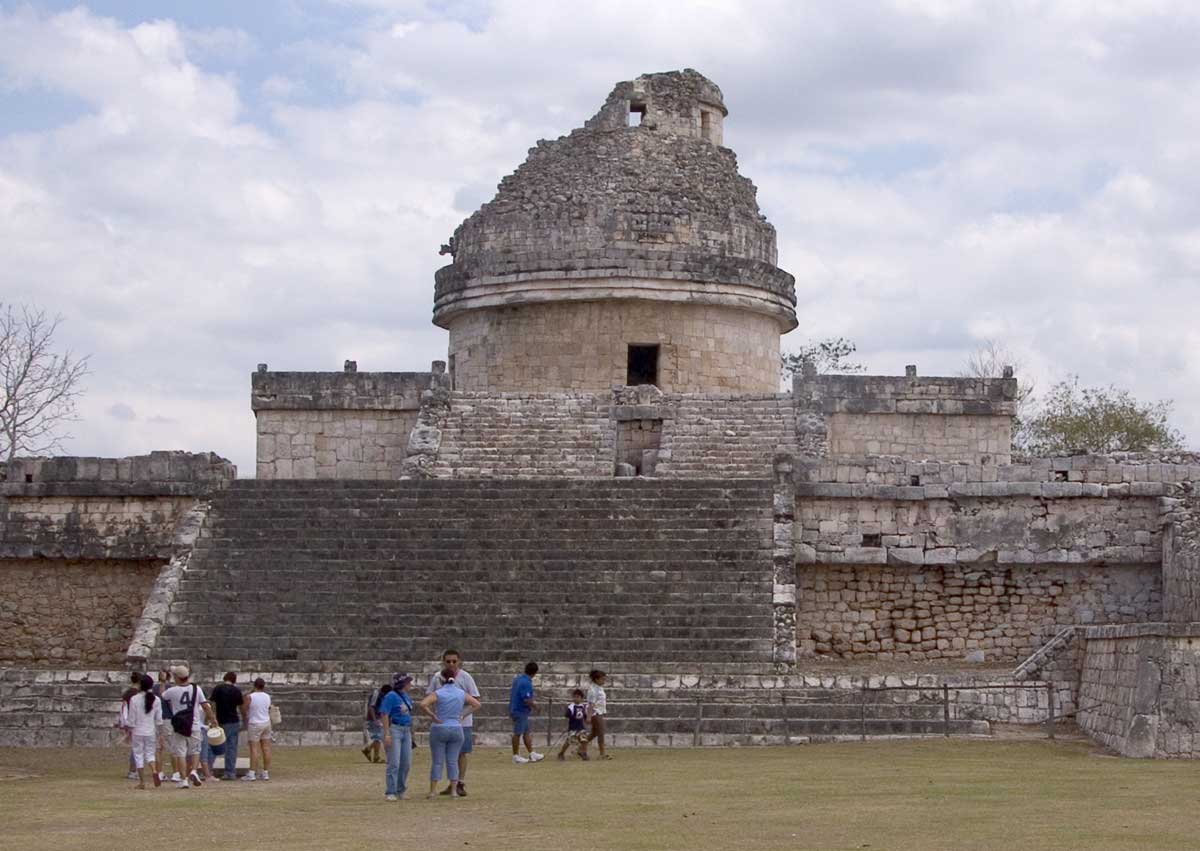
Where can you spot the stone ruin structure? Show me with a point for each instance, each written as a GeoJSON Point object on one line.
{"type": "Point", "coordinates": [605, 473]}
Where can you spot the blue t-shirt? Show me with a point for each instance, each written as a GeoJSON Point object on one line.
{"type": "Point", "coordinates": [522, 690]}
{"type": "Point", "coordinates": [398, 708]}
{"type": "Point", "coordinates": [449, 706]}
{"type": "Point", "coordinates": [576, 714]}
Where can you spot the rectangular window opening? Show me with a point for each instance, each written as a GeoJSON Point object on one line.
{"type": "Point", "coordinates": [642, 366]}
{"type": "Point", "coordinates": [706, 124]}
{"type": "Point", "coordinates": [1060, 475]}
{"type": "Point", "coordinates": [873, 540]}
{"type": "Point", "coordinates": [637, 112]}
{"type": "Point", "coordinates": [915, 481]}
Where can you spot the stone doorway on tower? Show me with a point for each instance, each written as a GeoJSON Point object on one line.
{"type": "Point", "coordinates": [637, 447]}
{"type": "Point", "coordinates": [642, 366]}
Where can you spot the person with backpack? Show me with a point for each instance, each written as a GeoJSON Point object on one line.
{"type": "Point", "coordinates": [186, 700]}
{"type": "Point", "coordinates": [372, 726]}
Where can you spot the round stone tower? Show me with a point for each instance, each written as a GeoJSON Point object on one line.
{"type": "Point", "coordinates": [628, 252]}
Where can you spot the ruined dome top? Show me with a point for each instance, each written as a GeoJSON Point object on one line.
{"type": "Point", "coordinates": [643, 198]}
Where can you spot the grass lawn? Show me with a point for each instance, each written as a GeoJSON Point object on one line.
{"type": "Point", "coordinates": [879, 795]}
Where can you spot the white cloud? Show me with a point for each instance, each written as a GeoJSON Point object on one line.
{"type": "Point", "coordinates": [939, 173]}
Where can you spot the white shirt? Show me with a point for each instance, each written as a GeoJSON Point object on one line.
{"type": "Point", "coordinates": [597, 700]}
{"type": "Point", "coordinates": [465, 682]}
{"type": "Point", "coordinates": [180, 698]}
{"type": "Point", "coordinates": [260, 708]}
{"type": "Point", "coordinates": [141, 722]}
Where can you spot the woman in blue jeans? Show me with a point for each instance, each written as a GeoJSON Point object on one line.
{"type": "Point", "coordinates": [446, 706]}
{"type": "Point", "coordinates": [395, 715]}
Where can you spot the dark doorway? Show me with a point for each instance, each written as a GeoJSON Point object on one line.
{"type": "Point", "coordinates": [643, 365]}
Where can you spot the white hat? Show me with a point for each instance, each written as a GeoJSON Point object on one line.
{"type": "Point", "coordinates": [216, 736]}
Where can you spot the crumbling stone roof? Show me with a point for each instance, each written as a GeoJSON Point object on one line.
{"type": "Point", "coordinates": [662, 200]}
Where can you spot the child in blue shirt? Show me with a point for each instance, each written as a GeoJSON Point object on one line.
{"type": "Point", "coordinates": [576, 713]}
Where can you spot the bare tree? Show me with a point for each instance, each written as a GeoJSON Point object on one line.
{"type": "Point", "coordinates": [988, 360]}
{"type": "Point", "coordinates": [38, 386]}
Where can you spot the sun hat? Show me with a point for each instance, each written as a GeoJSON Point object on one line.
{"type": "Point", "coordinates": [400, 680]}
{"type": "Point", "coordinates": [216, 736]}
{"type": "Point", "coordinates": [181, 671]}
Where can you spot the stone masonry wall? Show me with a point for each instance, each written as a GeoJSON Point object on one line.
{"type": "Point", "coordinates": [945, 612]}
{"type": "Point", "coordinates": [1138, 693]}
{"type": "Point", "coordinates": [343, 425]}
{"type": "Point", "coordinates": [333, 444]}
{"type": "Point", "coordinates": [488, 435]}
{"type": "Point", "coordinates": [726, 436]}
{"type": "Point", "coordinates": [583, 346]}
{"type": "Point", "coordinates": [70, 613]}
{"type": "Point", "coordinates": [943, 419]}
{"type": "Point", "coordinates": [1181, 556]}
{"type": "Point", "coordinates": [966, 438]}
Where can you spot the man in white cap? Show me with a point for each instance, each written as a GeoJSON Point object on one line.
{"type": "Point", "coordinates": [184, 698]}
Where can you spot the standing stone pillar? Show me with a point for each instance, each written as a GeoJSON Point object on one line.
{"type": "Point", "coordinates": [784, 561]}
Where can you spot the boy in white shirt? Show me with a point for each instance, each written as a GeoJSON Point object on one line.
{"type": "Point", "coordinates": [185, 698]}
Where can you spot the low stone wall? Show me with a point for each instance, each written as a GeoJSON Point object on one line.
{"type": "Point", "coordinates": [70, 613]}
{"type": "Point", "coordinates": [1138, 692]}
{"type": "Point", "coordinates": [938, 418]}
{"type": "Point", "coordinates": [946, 612]}
{"type": "Point", "coordinates": [336, 425]}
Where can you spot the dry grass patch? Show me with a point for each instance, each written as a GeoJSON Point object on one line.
{"type": "Point", "coordinates": [887, 795]}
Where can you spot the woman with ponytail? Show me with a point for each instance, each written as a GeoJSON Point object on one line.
{"type": "Point", "coordinates": [145, 714]}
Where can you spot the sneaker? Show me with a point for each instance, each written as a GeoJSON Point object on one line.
{"type": "Point", "coordinates": [182, 784]}
{"type": "Point", "coordinates": [462, 790]}
{"type": "Point", "coordinates": [519, 760]}
{"type": "Point", "coordinates": [390, 798]}
{"type": "Point", "coordinates": [534, 756]}
{"type": "Point", "coordinates": [175, 778]}
{"type": "Point", "coordinates": [131, 775]}
{"type": "Point", "coordinates": [249, 777]}
{"type": "Point", "coordinates": [194, 778]}
{"type": "Point", "coordinates": [263, 775]}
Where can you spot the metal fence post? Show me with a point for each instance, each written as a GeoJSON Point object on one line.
{"type": "Point", "coordinates": [549, 723]}
{"type": "Point", "coordinates": [787, 721]}
{"type": "Point", "coordinates": [862, 713]}
{"type": "Point", "coordinates": [699, 722]}
{"type": "Point", "coordinates": [1050, 709]}
{"type": "Point", "coordinates": [946, 710]}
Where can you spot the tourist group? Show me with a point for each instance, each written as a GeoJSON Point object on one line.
{"type": "Point", "coordinates": [450, 701]}
{"type": "Point", "coordinates": [174, 715]}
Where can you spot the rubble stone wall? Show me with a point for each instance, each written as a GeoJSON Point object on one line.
{"type": "Point", "coordinates": [70, 613]}
{"type": "Point", "coordinates": [583, 346]}
{"type": "Point", "coordinates": [1138, 693]}
{"type": "Point", "coordinates": [945, 612]}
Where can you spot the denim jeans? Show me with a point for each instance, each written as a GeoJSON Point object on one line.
{"type": "Point", "coordinates": [231, 737]}
{"type": "Point", "coordinates": [399, 760]}
{"type": "Point", "coordinates": [444, 745]}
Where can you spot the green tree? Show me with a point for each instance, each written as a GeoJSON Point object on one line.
{"type": "Point", "coordinates": [1098, 419]}
{"type": "Point", "coordinates": [828, 355]}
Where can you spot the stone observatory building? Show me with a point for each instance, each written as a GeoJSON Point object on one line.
{"type": "Point", "coordinates": [627, 252]}
{"type": "Point", "coordinates": [606, 472]}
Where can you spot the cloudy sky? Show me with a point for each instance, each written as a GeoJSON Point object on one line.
{"type": "Point", "coordinates": [200, 187]}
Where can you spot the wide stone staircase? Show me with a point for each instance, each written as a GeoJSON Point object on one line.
{"type": "Point", "coordinates": [326, 587]}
